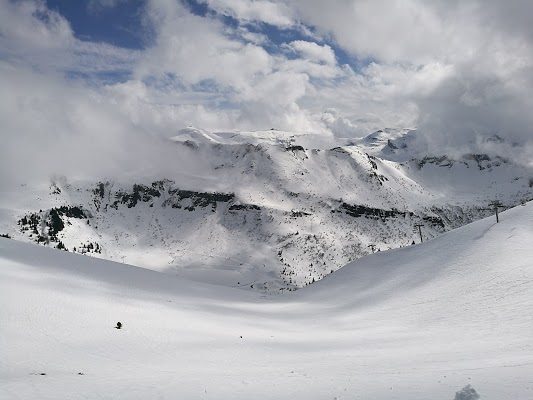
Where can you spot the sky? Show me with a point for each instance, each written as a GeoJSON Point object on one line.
{"type": "Point", "coordinates": [117, 74]}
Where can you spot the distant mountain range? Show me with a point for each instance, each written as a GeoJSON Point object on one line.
{"type": "Point", "coordinates": [268, 210]}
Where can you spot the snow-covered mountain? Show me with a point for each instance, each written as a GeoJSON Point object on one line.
{"type": "Point", "coordinates": [267, 210]}
{"type": "Point", "coordinates": [420, 322]}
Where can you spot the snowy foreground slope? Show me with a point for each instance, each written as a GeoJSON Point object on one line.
{"type": "Point", "coordinates": [414, 323]}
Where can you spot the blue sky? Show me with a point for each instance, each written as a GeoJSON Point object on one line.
{"type": "Point", "coordinates": [121, 25]}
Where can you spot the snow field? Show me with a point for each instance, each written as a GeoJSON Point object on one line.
{"type": "Point", "coordinates": [414, 323]}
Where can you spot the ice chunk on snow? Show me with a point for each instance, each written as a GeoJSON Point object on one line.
{"type": "Point", "coordinates": [467, 393]}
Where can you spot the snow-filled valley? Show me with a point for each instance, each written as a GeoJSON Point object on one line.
{"type": "Point", "coordinates": [419, 322]}
{"type": "Point", "coordinates": [268, 210]}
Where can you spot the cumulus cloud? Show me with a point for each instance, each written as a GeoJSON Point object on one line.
{"type": "Point", "coordinates": [196, 49]}
{"type": "Point", "coordinates": [458, 70]}
{"type": "Point", "coordinates": [261, 89]}
{"type": "Point", "coordinates": [342, 126]}
{"type": "Point", "coordinates": [313, 51]}
{"type": "Point", "coordinates": [33, 35]}
{"type": "Point", "coordinates": [398, 30]}
{"type": "Point", "coordinates": [52, 126]}
{"type": "Point", "coordinates": [263, 11]}
{"type": "Point", "coordinates": [464, 66]}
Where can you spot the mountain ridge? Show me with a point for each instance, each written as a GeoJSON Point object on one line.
{"type": "Point", "coordinates": [269, 214]}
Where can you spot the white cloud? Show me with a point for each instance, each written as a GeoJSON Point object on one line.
{"type": "Point", "coordinates": [313, 51]}
{"type": "Point", "coordinates": [264, 88]}
{"type": "Point", "coordinates": [455, 69]}
{"type": "Point", "coordinates": [339, 124]}
{"type": "Point", "coordinates": [265, 11]}
{"type": "Point", "coordinates": [196, 49]}
{"type": "Point", "coordinates": [53, 126]}
{"type": "Point", "coordinates": [29, 29]}
{"type": "Point", "coordinates": [251, 37]}
{"type": "Point", "coordinates": [395, 30]}
{"type": "Point", "coordinates": [31, 34]}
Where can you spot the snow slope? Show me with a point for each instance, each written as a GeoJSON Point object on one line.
{"type": "Point", "coordinates": [419, 322]}
{"type": "Point", "coordinates": [261, 210]}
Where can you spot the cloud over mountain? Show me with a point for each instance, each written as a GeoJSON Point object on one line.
{"type": "Point", "coordinates": [456, 70]}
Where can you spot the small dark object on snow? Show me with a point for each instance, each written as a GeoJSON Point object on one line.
{"type": "Point", "coordinates": [81, 373]}
{"type": "Point", "coordinates": [467, 393]}
{"type": "Point", "coordinates": [42, 373]}
{"type": "Point", "coordinates": [241, 337]}
{"type": "Point", "coordinates": [119, 325]}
